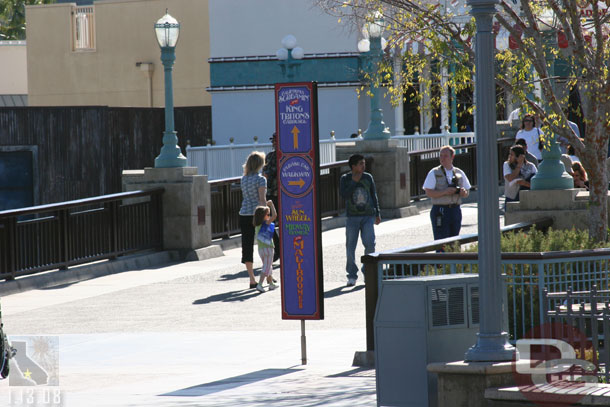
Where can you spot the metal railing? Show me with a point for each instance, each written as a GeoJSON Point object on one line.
{"type": "Point", "coordinates": [582, 319]}
{"type": "Point", "coordinates": [226, 199]}
{"type": "Point", "coordinates": [414, 260]}
{"type": "Point", "coordinates": [418, 142]}
{"type": "Point", "coordinates": [83, 28]}
{"type": "Point", "coordinates": [47, 237]}
{"type": "Point", "coordinates": [225, 161]}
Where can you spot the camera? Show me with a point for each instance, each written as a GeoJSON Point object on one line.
{"type": "Point", "coordinates": [455, 183]}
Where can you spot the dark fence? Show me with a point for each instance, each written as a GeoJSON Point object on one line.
{"type": "Point", "coordinates": [226, 199]}
{"type": "Point", "coordinates": [81, 151]}
{"type": "Point", "coordinates": [422, 161]}
{"type": "Point", "coordinates": [59, 235]}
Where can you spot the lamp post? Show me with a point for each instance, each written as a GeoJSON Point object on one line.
{"type": "Point", "coordinates": [290, 56]}
{"type": "Point", "coordinates": [167, 30]}
{"type": "Point", "coordinates": [551, 171]}
{"type": "Point", "coordinates": [492, 342]}
{"type": "Point", "coordinates": [372, 53]}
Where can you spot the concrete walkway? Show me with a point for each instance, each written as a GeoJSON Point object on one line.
{"type": "Point", "coordinates": [193, 334]}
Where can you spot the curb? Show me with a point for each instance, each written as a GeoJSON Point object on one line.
{"type": "Point", "coordinates": [88, 271]}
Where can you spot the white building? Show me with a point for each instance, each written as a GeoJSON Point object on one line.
{"type": "Point", "coordinates": [244, 39]}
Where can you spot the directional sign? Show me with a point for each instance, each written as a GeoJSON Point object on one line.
{"type": "Point", "coordinates": [299, 208]}
{"type": "Point", "coordinates": [296, 175]}
{"type": "Point", "coordinates": [294, 115]}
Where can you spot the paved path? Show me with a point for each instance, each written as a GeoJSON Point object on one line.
{"type": "Point", "coordinates": [191, 334]}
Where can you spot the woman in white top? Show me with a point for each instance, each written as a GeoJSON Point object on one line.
{"type": "Point", "coordinates": [517, 173]}
{"type": "Point", "coordinates": [531, 135]}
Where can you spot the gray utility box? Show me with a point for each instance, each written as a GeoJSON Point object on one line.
{"type": "Point", "coordinates": [421, 320]}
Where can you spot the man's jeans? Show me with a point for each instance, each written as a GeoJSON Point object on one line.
{"type": "Point", "coordinates": [355, 225]}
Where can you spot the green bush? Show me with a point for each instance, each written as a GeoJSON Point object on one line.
{"type": "Point", "coordinates": [538, 241]}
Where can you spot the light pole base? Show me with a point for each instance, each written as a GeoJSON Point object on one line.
{"type": "Point", "coordinates": [491, 348]}
{"type": "Point", "coordinates": [551, 171]}
{"type": "Point", "coordinates": [171, 155]}
{"type": "Point", "coordinates": [170, 162]}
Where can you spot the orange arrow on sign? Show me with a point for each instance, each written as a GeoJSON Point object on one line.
{"type": "Point", "coordinates": [300, 183]}
{"type": "Point", "coordinates": [295, 133]}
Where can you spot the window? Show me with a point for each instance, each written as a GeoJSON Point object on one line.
{"type": "Point", "coordinates": [83, 28]}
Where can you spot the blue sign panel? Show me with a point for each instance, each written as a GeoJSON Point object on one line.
{"type": "Point", "coordinates": [299, 209]}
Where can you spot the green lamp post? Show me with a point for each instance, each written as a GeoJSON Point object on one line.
{"type": "Point", "coordinates": [167, 30]}
{"type": "Point", "coordinates": [551, 171]}
{"type": "Point", "coordinates": [372, 53]}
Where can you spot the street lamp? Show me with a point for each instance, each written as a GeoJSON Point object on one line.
{"type": "Point", "coordinates": [371, 53]}
{"type": "Point", "coordinates": [290, 56]}
{"type": "Point", "coordinates": [551, 171]}
{"type": "Point", "coordinates": [167, 30]}
{"type": "Point", "coordinates": [492, 342]}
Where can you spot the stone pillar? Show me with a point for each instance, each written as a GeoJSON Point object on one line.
{"type": "Point", "coordinates": [463, 384]}
{"type": "Point", "coordinates": [390, 171]}
{"type": "Point", "coordinates": [187, 211]}
{"type": "Point", "coordinates": [569, 208]}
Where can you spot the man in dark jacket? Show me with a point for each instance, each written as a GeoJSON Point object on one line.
{"type": "Point", "coordinates": [362, 211]}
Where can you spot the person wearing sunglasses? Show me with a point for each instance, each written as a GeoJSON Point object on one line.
{"type": "Point", "coordinates": [532, 136]}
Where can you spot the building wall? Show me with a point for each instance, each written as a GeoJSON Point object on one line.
{"type": "Point", "coordinates": [59, 76]}
{"type": "Point", "coordinates": [241, 115]}
{"type": "Point", "coordinates": [13, 69]}
{"type": "Point", "coordinates": [256, 27]}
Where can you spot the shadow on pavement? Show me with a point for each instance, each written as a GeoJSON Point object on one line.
{"type": "Point", "coordinates": [244, 274]}
{"type": "Point", "coordinates": [357, 372]}
{"type": "Point", "coordinates": [230, 383]}
{"type": "Point", "coordinates": [342, 290]}
{"type": "Point", "coordinates": [230, 296]}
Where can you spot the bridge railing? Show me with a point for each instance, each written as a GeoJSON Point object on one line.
{"type": "Point", "coordinates": [56, 236]}
{"type": "Point", "coordinates": [525, 275]}
{"type": "Point", "coordinates": [226, 199]}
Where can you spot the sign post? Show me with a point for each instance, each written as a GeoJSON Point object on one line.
{"type": "Point", "coordinates": [298, 166]}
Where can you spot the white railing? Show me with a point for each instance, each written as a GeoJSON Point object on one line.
{"type": "Point", "coordinates": [83, 28]}
{"type": "Point", "coordinates": [225, 161]}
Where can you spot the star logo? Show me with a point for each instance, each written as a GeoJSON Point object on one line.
{"type": "Point", "coordinates": [27, 374]}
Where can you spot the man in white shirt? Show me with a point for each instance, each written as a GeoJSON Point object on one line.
{"type": "Point", "coordinates": [446, 185]}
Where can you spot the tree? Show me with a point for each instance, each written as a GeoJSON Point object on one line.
{"type": "Point", "coordinates": [557, 49]}
{"type": "Point", "coordinates": [12, 18]}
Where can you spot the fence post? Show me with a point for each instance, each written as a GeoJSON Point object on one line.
{"type": "Point", "coordinates": [112, 208]}
{"type": "Point", "coordinates": [541, 296]}
{"type": "Point", "coordinates": [371, 293]}
{"type": "Point", "coordinates": [11, 225]}
{"type": "Point", "coordinates": [63, 238]}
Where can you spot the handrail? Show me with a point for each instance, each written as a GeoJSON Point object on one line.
{"type": "Point", "coordinates": [371, 272]}
{"type": "Point", "coordinates": [457, 146]}
{"type": "Point", "coordinates": [543, 224]}
{"type": "Point", "coordinates": [326, 166]}
{"type": "Point", "coordinates": [79, 202]}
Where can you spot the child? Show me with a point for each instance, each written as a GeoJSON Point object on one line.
{"type": "Point", "coordinates": [264, 230]}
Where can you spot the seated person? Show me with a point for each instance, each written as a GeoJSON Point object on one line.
{"type": "Point", "coordinates": [580, 176]}
{"type": "Point", "coordinates": [517, 173]}
{"type": "Point", "coordinates": [528, 156]}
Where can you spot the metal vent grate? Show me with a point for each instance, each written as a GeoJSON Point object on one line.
{"type": "Point", "coordinates": [447, 306]}
{"type": "Point", "coordinates": [474, 305]}
{"type": "Point", "coordinates": [456, 306]}
{"type": "Point", "coordinates": [439, 306]}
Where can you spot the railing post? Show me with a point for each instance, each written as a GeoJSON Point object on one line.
{"type": "Point", "coordinates": [113, 209]}
{"type": "Point", "coordinates": [63, 238]}
{"type": "Point", "coordinates": [371, 293]}
{"type": "Point", "coordinates": [226, 192]}
{"type": "Point", "coordinates": [12, 249]}
{"type": "Point", "coordinates": [541, 296]}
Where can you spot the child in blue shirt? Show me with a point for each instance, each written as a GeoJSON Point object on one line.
{"type": "Point", "coordinates": [264, 230]}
